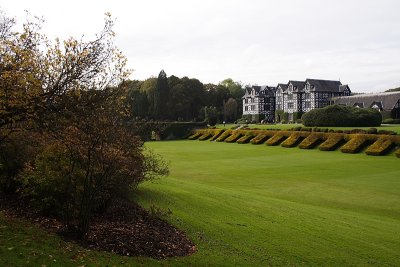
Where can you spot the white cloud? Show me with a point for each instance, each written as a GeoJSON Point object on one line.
{"type": "Point", "coordinates": [257, 41]}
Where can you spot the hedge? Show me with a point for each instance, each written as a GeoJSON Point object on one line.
{"type": "Point", "coordinates": [355, 144]}
{"type": "Point", "coordinates": [380, 147]}
{"type": "Point", "coordinates": [332, 142]}
{"type": "Point", "coordinates": [195, 136]}
{"type": "Point", "coordinates": [205, 136]}
{"type": "Point", "coordinates": [310, 141]}
{"type": "Point", "coordinates": [381, 144]}
{"type": "Point", "coordinates": [337, 115]}
{"type": "Point", "coordinates": [259, 139]}
{"type": "Point", "coordinates": [276, 139]}
{"type": "Point", "coordinates": [397, 153]}
{"type": "Point", "coordinates": [245, 139]}
{"type": "Point", "coordinates": [224, 135]}
{"type": "Point", "coordinates": [293, 140]}
{"type": "Point", "coordinates": [217, 133]}
{"type": "Point", "coordinates": [234, 137]}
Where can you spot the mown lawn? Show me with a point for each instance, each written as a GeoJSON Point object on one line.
{"type": "Point", "coordinates": [387, 127]}
{"type": "Point", "coordinates": [248, 205]}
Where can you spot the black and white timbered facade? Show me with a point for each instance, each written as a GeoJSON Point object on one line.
{"type": "Point", "coordinates": [259, 103]}
{"type": "Point", "coordinates": [295, 97]}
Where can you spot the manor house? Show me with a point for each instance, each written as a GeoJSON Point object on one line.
{"type": "Point", "coordinates": [289, 101]}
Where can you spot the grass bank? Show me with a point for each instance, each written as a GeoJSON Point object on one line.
{"type": "Point", "coordinates": [248, 205]}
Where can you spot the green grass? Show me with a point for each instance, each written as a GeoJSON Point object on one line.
{"type": "Point", "coordinates": [388, 127]}
{"type": "Point", "coordinates": [249, 205]}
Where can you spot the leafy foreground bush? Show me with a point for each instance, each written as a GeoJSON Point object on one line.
{"type": "Point", "coordinates": [337, 115]}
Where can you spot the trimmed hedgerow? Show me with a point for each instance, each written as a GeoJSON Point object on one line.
{"type": "Point", "coordinates": [332, 142]}
{"type": "Point", "coordinates": [205, 136]}
{"type": "Point", "coordinates": [259, 139]}
{"type": "Point", "coordinates": [224, 135]}
{"type": "Point", "coordinates": [245, 139]}
{"type": "Point", "coordinates": [355, 144]}
{"type": "Point", "coordinates": [217, 133]}
{"type": "Point", "coordinates": [337, 115]}
{"type": "Point", "coordinates": [234, 137]}
{"type": "Point", "coordinates": [310, 141]}
{"type": "Point", "coordinates": [397, 153]}
{"type": "Point", "coordinates": [292, 140]}
{"type": "Point", "coordinates": [380, 147]}
{"type": "Point", "coordinates": [276, 139]}
{"type": "Point", "coordinates": [195, 135]}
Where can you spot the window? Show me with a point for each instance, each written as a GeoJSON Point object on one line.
{"type": "Point", "coordinates": [290, 105]}
{"type": "Point", "coordinates": [253, 107]}
{"type": "Point", "coordinates": [252, 100]}
{"type": "Point", "coordinates": [307, 104]}
{"type": "Point", "coordinates": [307, 96]}
{"type": "Point", "coordinates": [246, 108]}
{"type": "Point", "coordinates": [245, 101]}
{"type": "Point", "coordinates": [290, 96]}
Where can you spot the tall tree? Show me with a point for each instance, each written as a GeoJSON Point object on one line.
{"type": "Point", "coordinates": [161, 97]}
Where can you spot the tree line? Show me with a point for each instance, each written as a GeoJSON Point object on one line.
{"type": "Point", "coordinates": [185, 99]}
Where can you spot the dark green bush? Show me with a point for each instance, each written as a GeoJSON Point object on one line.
{"type": "Point", "coordinates": [179, 130]}
{"type": "Point", "coordinates": [391, 121]}
{"type": "Point", "coordinates": [337, 115]}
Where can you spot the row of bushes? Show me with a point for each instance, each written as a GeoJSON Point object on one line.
{"type": "Point", "coordinates": [351, 143]}
{"type": "Point", "coordinates": [391, 121]}
{"type": "Point", "coordinates": [338, 115]}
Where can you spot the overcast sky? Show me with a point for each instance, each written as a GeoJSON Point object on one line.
{"type": "Point", "coordinates": [262, 42]}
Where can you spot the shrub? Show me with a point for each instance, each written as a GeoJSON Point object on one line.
{"type": "Point", "coordinates": [380, 147]}
{"type": "Point", "coordinates": [234, 137]}
{"type": "Point", "coordinates": [293, 140]}
{"type": "Point", "coordinates": [391, 121]}
{"type": "Point", "coordinates": [337, 115]}
{"type": "Point", "coordinates": [245, 139]}
{"type": "Point", "coordinates": [224, 135]}
{"type": "Point", "coordinates": [386, 132]}
{"type": "Point", "coordinates": [310, 141]}
{"type": "Point", "coordinates": [397, 153]}
{"type": "Point", "coordinates": [259, 139]}
{"type": "Point", "coordinates": [332, 142]}
{"type": "Point", "coordinates": [195, 135]}
{"type": "Point", "coordinates": [355, 144]}
{"type": "Point", "coordinates": [205, 136]}
{"type": "Point", "coordinates": [276, 139]}
{"type": "Point", "coordinates": [178, 130]}
{"type": "Point", "coordinates": [217, 133]}
{"type": "Point", "coordinates": [15, 152]}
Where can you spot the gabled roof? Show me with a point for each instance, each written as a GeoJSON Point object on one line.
{"type": "Point", "coordinates": [283, 86]}
{"type": "Point", "coordinates": [388, 100]}
{"type": "Point", "coordinates": [299, 85]}
{"type": "Point", "coordinates": [325, 85]}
